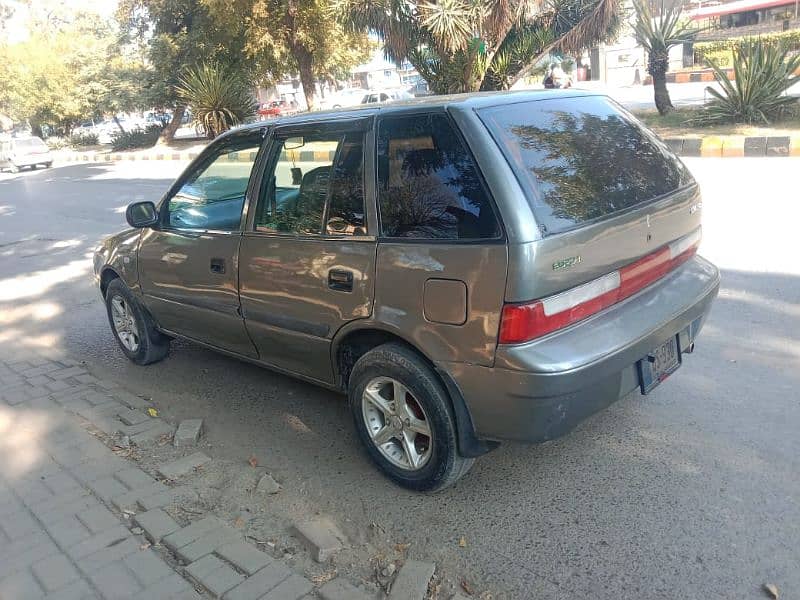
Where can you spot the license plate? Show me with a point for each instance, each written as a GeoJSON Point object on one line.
{"type": "Point", "coordinates": [659, 364]}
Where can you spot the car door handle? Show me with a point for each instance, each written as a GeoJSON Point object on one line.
{"type": "Point", "coordinates": [217, 265]}
{"type": "Point", "coordinates": [340, 280]}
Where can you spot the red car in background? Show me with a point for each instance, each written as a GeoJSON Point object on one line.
{"type": "Point", "coordinates": [277, 108]}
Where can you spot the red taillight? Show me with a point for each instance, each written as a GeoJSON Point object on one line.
{"type": "Point", "coordinates": [527, 321]}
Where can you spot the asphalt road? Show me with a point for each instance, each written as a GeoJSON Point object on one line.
{"type": "Point", "coordinates": [690, 492]}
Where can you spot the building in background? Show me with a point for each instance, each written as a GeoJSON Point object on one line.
{"type": "Point", "coordinates": [721, 21]}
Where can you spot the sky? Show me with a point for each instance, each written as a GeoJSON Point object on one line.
{"type": "Point", "coordinates": [17, 30]}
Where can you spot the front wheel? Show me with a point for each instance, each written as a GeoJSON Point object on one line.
{"type": "Point", "coordinates": [133, 327]}
{"type": "Point", "coordinates": [12, 167]}
{"type": "Point", "coordinates": [403, 417]}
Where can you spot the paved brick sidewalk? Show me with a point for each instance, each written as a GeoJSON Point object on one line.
{"type": "Point", "coordinates": [58, 537]}
{"type": "Point", "coordinates": [77, 521]}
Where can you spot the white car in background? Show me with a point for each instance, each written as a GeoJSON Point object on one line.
{"type": "Point", "coordinates": [343, 98]}
{"type": "Point", "coordinates": [389, 95]}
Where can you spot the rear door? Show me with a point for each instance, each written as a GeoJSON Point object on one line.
{"type": "Point", "coordinates": [188, 266]}
{"type": "Point", "coordinates": [442, 255]}
{"type": "Point", "coordinates": [307, 260]}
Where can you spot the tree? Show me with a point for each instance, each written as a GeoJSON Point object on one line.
{"type": "Point", "coordinates": [470, 45]}
{"type": "Point", "coordinates": [177, 35]}
{"type": "Point", "coordinates": [302, 36]}
{"type": "Point", "coordinates": [220, 98]}
{"type": "Point", "coordinates": [657, 35]}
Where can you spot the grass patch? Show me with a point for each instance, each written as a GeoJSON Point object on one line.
{"type": "Point", "coordinates": [682, 123]}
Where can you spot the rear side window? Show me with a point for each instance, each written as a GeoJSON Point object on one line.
{"type": "Point", "coordinates": [429, 187]}
{"type": "Point", "coordinates": [582, 159]}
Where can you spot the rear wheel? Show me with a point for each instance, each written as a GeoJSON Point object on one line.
{"type": "Point", "coordinates": [12, 167]}
{"type": "Point", "coordinates": [403, 417]}
{"type": "Point", "coordinates": [133, 327]}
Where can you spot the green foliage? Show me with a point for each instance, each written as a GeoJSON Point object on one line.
{"type": "Point", "coordinates": [133, 140]}
{"type": "Point", "coordinates": [721, 52]}
{"type": "Point", "coordinates": [83, 139]}
{"type": "Point", "coordinates": [763, 73]}
{"type": "Point", "coordinates": [467, 45]}
{"type": "Point", "coordinates": [219, 97]}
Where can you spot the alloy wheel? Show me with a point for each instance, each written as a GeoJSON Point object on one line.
{"type": "Point", "coordinates": [125, 323]}
{"type": "Point", "coordinates": [397, 423]}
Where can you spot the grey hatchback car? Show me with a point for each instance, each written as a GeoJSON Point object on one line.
{"type": "Point", "coordinates": [467, 269]}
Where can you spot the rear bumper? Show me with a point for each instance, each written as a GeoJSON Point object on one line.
{"type": "Point", "coordinates": [543, 389]}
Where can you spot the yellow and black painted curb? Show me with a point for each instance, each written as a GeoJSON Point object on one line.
{"type": "Point", "coordinates": [709, 146]}
{"type": "Point", "coordinates": [736, 145]}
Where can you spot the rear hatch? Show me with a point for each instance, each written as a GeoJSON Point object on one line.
{"type": "Point", "coordinates": [30, 147]}
{"type": "Point", "coordinates": [615, 208]}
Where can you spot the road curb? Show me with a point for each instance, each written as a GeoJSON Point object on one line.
{"type": "Point", "coordinates": [736, 146]}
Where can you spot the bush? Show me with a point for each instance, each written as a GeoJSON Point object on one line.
{"type": "Point", "coordinates": [763, 72]}
{"type": "Point", "coordinates": [56, 143]}
{"type": "Point", "coordinates": [83, 139]}
{"type": "Point", "coordinates": [132, 140]}
{"type": "Point", "coordinates": [219, 97]}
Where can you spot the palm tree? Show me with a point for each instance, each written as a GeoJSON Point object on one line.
{"type": "Point", "coordinates": [470, 45]}
{"type": "Point", "coordinates": [657, 35]}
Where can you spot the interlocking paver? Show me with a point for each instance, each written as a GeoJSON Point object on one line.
{"type": "Point", "coordinates": [188, 432]}
{"type": "Point", "coordinates": [17, 524]}
{"type": "Point", "coordinates": [26, 558]}
{"type": "Point", "coordinates": [147, 567]}
{"type": "Point", "coordinates": [61, 482]}
{"type": "Point", "coordinates": [68, 531]}
{"type": "Point", "coordinates": [208, 543]}
{"type": "Point", "coordinates": [173, 587]}
{"type": "Point", "coordinates": [97, 518]}
{"type": "Point", "coordinates": [116, 581]}
{"type": "Point", "coordinates": [55, 572]}
{"type": "Point", "coordinates": [20, 586]}
{"type": "Point", "coordinates": [133, 477]}
{"type": "Point", "coordinates": [412, 581]}
{"type": "Point", "coordinates": [128, 501]}
{"type": "Point", "coordinates": [77, 590]}
{"type": "Point", "coordinates": [261, 582]}
{"type": "Point", "coordinates": [108, 555]}
{"type": "Point", "coordinates": [183, 466]}
{"type": "Point", "coordinates": [98, 541]}
{"type": "Point", "coordinates": [291, 588]}
{"type": "Point", "coordinates": [214, 575]}
{"type": "Point", "coordinates": [98, 468]}
{"type": "Point", "coordinates": [158, 429]}
{"type": "Point", "coordinates": [132, 416]}
{"type": "Point", "coordinates": [156, 524]}
{"type": "Point", "coordinates": [192, 532]}
{"type": "Point", "coordinates": [243, 556]}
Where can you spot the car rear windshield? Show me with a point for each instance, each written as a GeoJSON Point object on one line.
{"type": "Point", "coordinates": [582, 159]}
{"type": "Point", "coordinates": [29, 144]}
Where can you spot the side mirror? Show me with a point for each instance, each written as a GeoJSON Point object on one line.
{"type": "Point", "coordinates": [141, 214]}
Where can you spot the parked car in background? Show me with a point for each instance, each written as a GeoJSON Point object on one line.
{"type": "Point", "coordinates": [467, 269]}
{"type": "Point", "coordinates": [276, 108]}
{"type": "Point", "coordinates": [343, 98]}
{"type": "Point", "coordinates": [18, 152]}
{"type": "Point", "coordinates": [376, 96]}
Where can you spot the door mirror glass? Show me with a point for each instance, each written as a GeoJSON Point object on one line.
{"type": "Point", "coordinates": [141, 214]}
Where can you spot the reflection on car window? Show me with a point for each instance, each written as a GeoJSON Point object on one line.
{"type": "Point", "coordinates": [305, 178]}
{"type": "Point", "coordinates": [213, 197]}
{"type": "Point", "coordinates": [429, 186]}
{"type": "Point", "coordinates": [580, 159]}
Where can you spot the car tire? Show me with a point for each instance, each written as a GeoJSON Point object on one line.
{"type": "Point", "coordinates": [133, 327]}
{"type": "Point", "coordinates": [377, 376]}
{"type": "Point", "coordinates": [12, 167]}
{"type": "Point", "coordinates": [47, 165]}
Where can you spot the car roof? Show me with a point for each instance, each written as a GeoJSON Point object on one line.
{"type": "Point", "coordinates": [471, 101]}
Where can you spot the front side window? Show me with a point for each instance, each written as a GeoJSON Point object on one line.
{"type": "Point", "coordinates": [316, 185]}
{"type": "Point", "coordinates": [429, 187]}
{"type": "Point", "coordinates": [213, 196]}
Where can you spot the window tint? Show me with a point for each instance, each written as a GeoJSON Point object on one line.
{"type": "Point", "coordinates": [580, 159]}
{"type": "Point", "coordinates": [213, 196]}
{"type": "Point", "coordinates": [429, 186]}
{"type": "Point", "coordinates": [295, 193]}
{"type": "Point", "coordinates": [346, 214]}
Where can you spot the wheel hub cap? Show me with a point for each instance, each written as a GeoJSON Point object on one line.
{"type": "Point", "coordinates": [124, 323]}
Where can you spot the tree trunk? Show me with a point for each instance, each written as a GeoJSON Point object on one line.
{"type": "Point", "coordinates": [306, 69]}
{"type": "Point", "coordinates": [118, 124]}
{"type": "Point", "coordinates": [661, 94]}
{"type": "Point", "coordinates": [169, 131]}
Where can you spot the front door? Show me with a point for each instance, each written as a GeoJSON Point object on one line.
{"type": "Point", "coordinates": [307, 259]}
{"type": "Point", "coordinates": [188, 265]}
